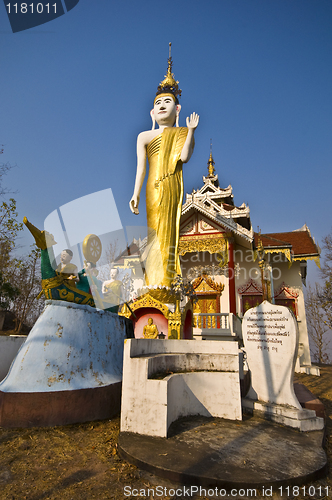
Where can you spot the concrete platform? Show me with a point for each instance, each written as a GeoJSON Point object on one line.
{"type": "Point", "coordinates": [164, 380]}
{"type": "Point", "coordinates": [222, 453]}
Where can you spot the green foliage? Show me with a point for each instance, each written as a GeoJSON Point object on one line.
{"type": "Point", "coordinates": [26, 275]}
{"type": "Point", "coordinates": [9, 227]}
{"type": "Point", "coordinates": [8, 293]}
{"type": "Point", "coordinates": [19, 277]}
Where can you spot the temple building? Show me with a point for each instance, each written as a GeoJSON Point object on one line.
{"type": "Point", "coordinates": [232, 268]}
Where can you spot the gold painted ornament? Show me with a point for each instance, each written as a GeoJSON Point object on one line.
{"type": "Point", "coordinates": [92, 248]}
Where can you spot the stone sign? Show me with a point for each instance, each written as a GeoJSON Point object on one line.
{"type": "Point", "coordinates": [270, 335]}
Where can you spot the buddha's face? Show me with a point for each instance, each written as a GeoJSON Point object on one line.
{"type": "Point", "coordinates": [150, 321]}
{"type": "Point", "coordinates": [165, 110]}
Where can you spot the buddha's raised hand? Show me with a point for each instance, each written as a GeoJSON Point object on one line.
{"type": "Point", "coordinates": [192, 121]}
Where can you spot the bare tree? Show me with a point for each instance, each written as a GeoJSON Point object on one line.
{"type": "Point", "coordinates": [319, 308]}
{"type": "Point", "coordinates": [110, 255]}
{"type": "Point", "coordinates": [326, 270]}
{"type": "Point", "coordinates": [318, 325]}
{"type": "Point", "coordinates": [4, 169]}
{"type": "Point", "coordinates": [26, 276]}
{"type": "Point", "coordinates": [325, 293]}
{"type": "Point", "coordinates": [9, 226]}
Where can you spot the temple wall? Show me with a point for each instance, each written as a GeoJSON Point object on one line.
{"type": "Point", "coordinates": [283, 274]}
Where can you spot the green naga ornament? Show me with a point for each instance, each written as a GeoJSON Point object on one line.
{"type": "Point", "coordinates": [55, 285]}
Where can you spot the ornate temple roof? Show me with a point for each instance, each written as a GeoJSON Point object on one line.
{"type": "Point", "coordinates": [301, 244]}
{"type": "Point", "coordinates": [217, 204]}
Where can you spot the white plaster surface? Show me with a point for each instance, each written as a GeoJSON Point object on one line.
{"type": "Point", "coordinates": [9, 345]}
{"type": "Point", "coordinates": [195, 378]}
{"type": "Point", "coordinates": [70, 347]}
{"type": "Point", "coordinates": [270, 336]}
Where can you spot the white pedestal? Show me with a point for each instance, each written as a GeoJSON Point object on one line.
{"type": "Point", "coordinates": [167, 379]}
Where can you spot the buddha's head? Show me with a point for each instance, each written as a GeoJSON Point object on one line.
{"type": "Point", "coordinates": [166, 106]}
{"type": "Point", "coordinates": [150, 321]}
{"type": "Point", "coordinates": [166, 110]}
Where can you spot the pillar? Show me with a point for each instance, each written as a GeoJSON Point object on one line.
{"type": "Point", "coordinates": [231, 276]}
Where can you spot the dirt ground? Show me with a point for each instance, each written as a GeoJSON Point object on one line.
{"type": "Point", "coordinates": [80, 462]}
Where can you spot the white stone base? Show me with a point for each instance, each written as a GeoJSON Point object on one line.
{"type": "Point", "coordinates": [71, 346]}
{"type": "Point", "coordinates": [310, 370]}
{"type": "Point", "coordinates": [68, 370]}
{"type": "Point", "coordinates": [304, 420]}
{"type": "Point", "coordinates": [167, 379]}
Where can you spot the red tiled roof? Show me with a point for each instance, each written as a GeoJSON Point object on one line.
{"type": "Point", "coordinates": [300, 241]}
{"type": "Point", "coordinates": [229, 207]}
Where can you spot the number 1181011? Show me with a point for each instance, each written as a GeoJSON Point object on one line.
{"type": "Point", "coordinates": [25, 8]}
{"type": "Point", "coordinates": [295, 491]}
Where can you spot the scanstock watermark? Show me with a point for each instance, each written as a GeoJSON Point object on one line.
{"type": "Point", "coordinates": [189, 491]}
{"type": "Point", "coordinates": [26, 15]}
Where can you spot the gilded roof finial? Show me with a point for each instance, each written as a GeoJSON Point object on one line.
{"type": "Point", "coordinates": [211, 162]}
{"type": "Point", "coordinates": [169, 84]}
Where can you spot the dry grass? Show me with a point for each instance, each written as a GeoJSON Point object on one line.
{"type": "Point", "coordinates": [73, 462]}
{"type": "Point", "coordinates": [80, 462]}
{"type": "Point", "coordinates": [322, 388]}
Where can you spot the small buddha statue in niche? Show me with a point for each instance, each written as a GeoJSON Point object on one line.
{"type": "Point", "coordinates": [150, 331]}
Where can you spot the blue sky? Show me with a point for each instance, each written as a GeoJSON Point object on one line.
{"type": "Point", "coordinates": [77, 91]}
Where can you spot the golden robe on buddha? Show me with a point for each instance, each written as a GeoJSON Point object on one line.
{"type": "Point", "coordinates": [164, 193]}
{"type": "Point", "coordinates": [113, 292]}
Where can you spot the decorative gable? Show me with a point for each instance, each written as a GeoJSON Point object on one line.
{"type": "Point", "coordinates": [217, 206]}
{"type": "Point", "coordinates": [250, 288]}
{"type": "Point", "coordinates": [199, 225]}
{"type": "Point", "coordinates": [188, 226]}
{"type": "Point", "coordinates": [205, 285]}
{"type": "Point", "coordinates": [285, 292]}
{"type": "Point", "coordinates": [207, 226]}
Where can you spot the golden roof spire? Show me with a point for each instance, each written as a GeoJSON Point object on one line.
{"type": "Point", "coordinates": [211, 163]}
{"type": "Point", "coordinates": [169, 84]}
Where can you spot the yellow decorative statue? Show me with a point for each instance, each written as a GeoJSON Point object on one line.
{"type": "Point", "coordinates": [167, 148]}
{"type": "Point", "coordinates": [113, 289]}
{"type": "Point", "coordinates": [150, 331]}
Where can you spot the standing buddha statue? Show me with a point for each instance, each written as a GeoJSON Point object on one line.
{"type": "Point", "coordinates": [166, 148]}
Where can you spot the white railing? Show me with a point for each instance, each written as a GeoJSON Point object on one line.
{"type": "Point", "coordinates": [217, 324]}
{"type": "Point", "coordinates": [211, 320]}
